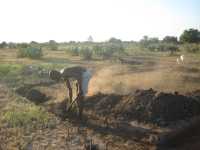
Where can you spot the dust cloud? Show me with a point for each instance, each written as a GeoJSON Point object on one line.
{"type": "Point", "coordinates": [122, 79]}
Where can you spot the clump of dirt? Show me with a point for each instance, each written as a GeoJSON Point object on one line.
{"type": "Point", "coordinates": [145, 106]}
{"type": "Point", "coordinates": [32, 94]}
{"type": "Point", "coordinates": [172, 107]}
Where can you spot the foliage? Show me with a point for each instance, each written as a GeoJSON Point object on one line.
{"type": "Point", "coordinates": [163, 47]}
{"type": "Point", "coordinates": [146, 41]}
{"type": "Point", "coordinates": [30, 52]}
{"type": "Point", "coordinates": [108, 49]}
{"type": "Point", "coordinates": [12, 45]}
{"type": "Point", "coordinates": [172, 48]}
{"type": "Point", "coordinates": [26, 115]}
{"type": "Point", "coordinates": [190, 36]}
{"type": "Point", "coordinates": [191, 48]}
{"type": "Point", "coordinates": [170, 39]}
{"type": "Point", "coordinates": [73, 51]}
{"type": "Point", "coordinates": [6, 69]}
{"type": "Point", "coordinates": [53, 45]}
{"type": "Point", "coordinates": [22, 45]}
{"type": "Point", "coordinates": [114, 40]}
{"type": "Point", "coordinates": [90, 39]}
{"type": "Point", "coordinates": [86, 53]}
{"type": "Point", "coordinates": [3, 45]}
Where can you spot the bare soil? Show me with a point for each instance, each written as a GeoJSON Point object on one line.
{"type": "Point", "coordinates": [144, 119]}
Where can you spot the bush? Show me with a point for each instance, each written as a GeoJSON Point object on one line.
{"type": "Point", "coordinates": [73, 51]}
{"type": "Point", "coordinates": [86, 53]}
{"type": "Point", "coordinates": [22, 45]}
{"type": "Point", "coordinates": [6, 69]}
{"type": "Point", "coordinates": [30, 52]}
{"type": "Point", "coordinates": [191, 48]}
{"type": "Point", "coordinates": [53, 45]}
{"type": "Point", "coordinates": [108, 50]}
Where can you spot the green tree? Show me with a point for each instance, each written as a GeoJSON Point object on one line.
{"type": "Point", "coordinates": [114, 40]}
{"type": "Point", "coordinates": [53, 45]}
{"type": "Point", "coordinates": [86, 53]}
{"type": "Point", "coordinates": [151, 43]}
{"type": "Point", "coordinates": [90, 39]}
{"type": "Point", "coordinates": [12, 45]}
{"type": "Point", "coordinates": [30, 52]}
{"type": "Point", "coordinates": [3, 44]}
{"type": "Point", "coordinates": [170, 39]}
{"type": "Point", "coordinates": [190, 36]}
{"type": "Point", "coordinates": [22, 45]}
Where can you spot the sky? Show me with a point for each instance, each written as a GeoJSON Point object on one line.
{"type": "Point", "coordinates": [76, 20]}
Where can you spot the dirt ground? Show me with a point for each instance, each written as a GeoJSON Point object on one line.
{"type": "Point", "coordinates": [143, 103]}
{"type": "Point", "coordinates": [70, 133]}
{"type": "Point", "coordinates": [140, 120]}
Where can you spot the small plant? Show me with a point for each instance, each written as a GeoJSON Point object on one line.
{"type": "Point", "coordinates": [26, 115]}
{"type": "Point", "coordinates": [30, 52]}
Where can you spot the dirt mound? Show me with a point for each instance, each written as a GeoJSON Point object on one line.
{"type": "Point", "coordinates": [145, 106]}
{"type": "Point", "coordinates": [31, 94]}
{"type": "Point", "coordinates": [195, 94]}
{"type": "Point", "coordinates": [138, 105]}
{"type": "Point", "coordinates": [173, 107]}
{"type": "Point", "coordinates": [184, 138]}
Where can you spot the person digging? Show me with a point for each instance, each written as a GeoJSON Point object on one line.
{"type": "Point", "coordinates": [81, 76]}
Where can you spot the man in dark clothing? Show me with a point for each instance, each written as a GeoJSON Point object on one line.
{"type": "Point", "coordinates": [81, 76]}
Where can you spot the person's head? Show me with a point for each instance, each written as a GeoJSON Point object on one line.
{"type": "Point", "coordinates": [55, 75]}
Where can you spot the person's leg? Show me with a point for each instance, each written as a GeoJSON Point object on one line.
{"type": "Point", "coordinates": [79, 99]}
{"type": "Point", "coordinates": [77, 88]}
{"type": "Point", "coordinates": [70, 94]}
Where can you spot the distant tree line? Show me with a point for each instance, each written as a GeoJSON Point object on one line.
{"type": "Point", "coordinates": [189, 41]}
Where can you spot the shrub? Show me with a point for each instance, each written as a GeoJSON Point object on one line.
{"type": "Point", "coordinates": [108, 50]}
{"type": "Point", "coordinates": [73, 51]}
{"type": "Point", "coordinates": [22, 45]}
{"type": "Point", "coordinates": [53, 45]}
{"type": "Point", "coordinates": [30, 52]}
{"type": "Point", "coordinates": [86, 53]}
{"type": "Point", "coordinates": [191, 48]}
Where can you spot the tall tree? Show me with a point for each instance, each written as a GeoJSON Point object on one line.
{"type": "Point", "coordinates": [190, 36]}
{"type": "Point", "coordinates": [90, 39]}
{"type": "Point", "coordinates": [170, 39]}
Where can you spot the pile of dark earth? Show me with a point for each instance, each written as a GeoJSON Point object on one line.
{"type": "Point", "coordinates": [147, 106]}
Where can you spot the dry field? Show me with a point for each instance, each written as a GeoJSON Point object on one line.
{"type": "Point", "coordinates": [27, 125]}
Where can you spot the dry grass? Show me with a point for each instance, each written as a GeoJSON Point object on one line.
{"type": "Point", "coordinates": [158, 72]}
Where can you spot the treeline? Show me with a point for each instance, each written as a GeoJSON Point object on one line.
{"type": "Point", "coordinates": [188, 41]}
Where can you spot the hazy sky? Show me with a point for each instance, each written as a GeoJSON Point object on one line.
{"type": "Point", "coordinates": [65, 20]}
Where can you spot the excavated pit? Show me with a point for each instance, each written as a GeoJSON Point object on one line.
{"type": "Point", "coordinates": [32, 94]}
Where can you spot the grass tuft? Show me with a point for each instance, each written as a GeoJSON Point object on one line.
{"type": "Point", "coordinates": [27, 115]}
